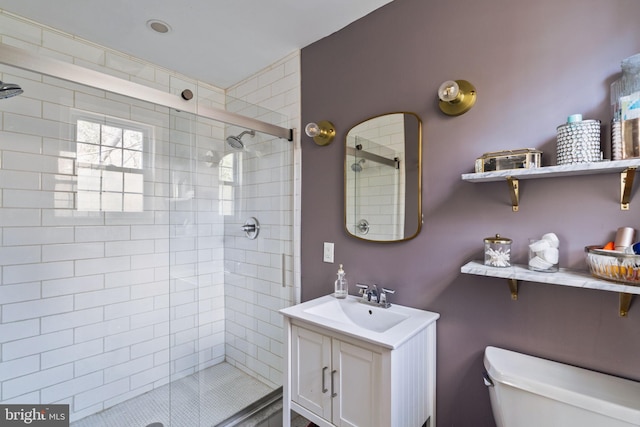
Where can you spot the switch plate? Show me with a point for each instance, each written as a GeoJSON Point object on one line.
{"type": "Point", "coordinates": [327, 255]}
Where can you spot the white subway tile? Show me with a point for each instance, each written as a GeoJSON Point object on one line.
{"type": "Point", "coordinates": [71, 320]}
{"type": "Point", "coordinates": [10, 331]}
{"type": "Point", "coordinates": [19, 367]}
{"type": "Point", "coordinates": [102, 265]}
{"type": "Point", "coordinates": [127, 369]}
{"type": "Point", "coordinates": [34, 345]}
{"type": "Point", "coordinates": [100, 394]}
{"type": "Point", "coordinates": [149, 376]}
{"type": "Point", "coordinates": [101, 361]}
{"type": "Point", "coordinates": [72, 285]}
{"type": "Point", "coordinates": [18, 236]}
{"type": "Point", "coordinates": [128, 338]}
{"type": "Point", "coordinates": [128, 308]}
{"type": "Point", "coordinates": [36, 308]}
{"type": "Point", "coordinates": [72, 251]}
{"type": "Point", "coordinates": [101, 298]}
{"type": "Point", "coordinates": [70, 353]}
{"type": "Point", "coordinates": [19, 217]}
{"type": "Point", "coordinates": [72, 387]}
{"type": "Point", "coordinates": [102, 329]}
{"type": "Point", "coordinates": [102, 233]}
{"type": "Point", "coordinates": [36, 381]}
{"type": "Point", "coordinates": [18, 293]}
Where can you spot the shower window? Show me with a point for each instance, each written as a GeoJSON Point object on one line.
{"type": "Point", "coordinates": [110, 164]}
{"type": "Point", "coordinates": [227, 176]}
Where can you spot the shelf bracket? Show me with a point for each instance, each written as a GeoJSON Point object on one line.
{"type": "Point", "coordinates": [626, 182]}
{"type": "Point", "coordinates": [513, 287]}
{"type": "Point", "coordinates": [625, 303]}
{"type": "Point", "coordinates": [514, 191]}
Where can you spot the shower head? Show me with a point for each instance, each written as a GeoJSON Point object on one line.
{"type": "Point", "coordinates": [357, 167]}
{"type": "Point", "coordinates": [236, 141]}
{"type": "Point", "coordinates": [7, 90]}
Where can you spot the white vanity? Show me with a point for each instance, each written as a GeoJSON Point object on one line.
{"type": "Point", "coordinates": [353, 364]}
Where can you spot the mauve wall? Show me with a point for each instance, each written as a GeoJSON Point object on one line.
{"type": "Point", "coordinates": [533, 64]}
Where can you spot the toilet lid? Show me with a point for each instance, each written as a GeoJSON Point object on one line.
{"type": "Point", "coordinates": [611, 396]}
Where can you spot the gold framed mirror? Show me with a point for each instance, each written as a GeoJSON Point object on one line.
{"type": "Point", "coordinates": [383, 178]}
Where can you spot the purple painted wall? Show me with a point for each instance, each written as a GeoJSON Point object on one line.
{"type": "Point", "coordinates": [533, 64]}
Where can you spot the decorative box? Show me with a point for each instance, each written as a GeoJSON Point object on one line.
{"type": "Point", "coordinates": [522, 158]}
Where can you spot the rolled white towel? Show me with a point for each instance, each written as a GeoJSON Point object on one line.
{"type": "Point", "coordinates": [550, 255]}
{"type": "Point", "coordinates": [539, 264]}
{"type": "Point", "coordinates": [539, 246]}
{"type": "Point", "coordinates": [552, 239]}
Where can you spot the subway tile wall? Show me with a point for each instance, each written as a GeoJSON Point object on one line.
{"type": "Point", "coordinates": [97, 307]}
{"type": "Point", "coordinates": [259, 274]}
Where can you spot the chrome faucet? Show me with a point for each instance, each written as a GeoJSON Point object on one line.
{"type": "Point", "coordinates": [374, 296]}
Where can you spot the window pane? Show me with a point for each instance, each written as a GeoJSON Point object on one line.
{"type": "Point", "coordinates": [133, 140]}
{"type": "Point", "coordinates": [88, 153]}
{"type": "Point", "coordinates": [112, 202]}
{"type": "Point", "coordinates": [88, 201]}
{"type": "Point", "coordinates": [112, 181]}
{"type": "Point", "coordinates": [132, 159]}
{"type": "Point", "coordinates": [111, 156]}
{"type": "Point", "coordinates": [133, 183]}
{"type": "Point", "coordinates": [111, 136]}
{"type": "Point", "coordinates": [89, 179]}
{"type": "Point", "coordinates": [88, 132]}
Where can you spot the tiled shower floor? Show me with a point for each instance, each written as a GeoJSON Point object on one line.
{"type": "Point", "coordinates": [203, 399]}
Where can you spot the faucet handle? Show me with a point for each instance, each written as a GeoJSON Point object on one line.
{"type": "Point", "coordinates": [363, 288]}
{"type": "Point", "coordinates": [383, 297]}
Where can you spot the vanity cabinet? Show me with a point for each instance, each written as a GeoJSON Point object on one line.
{"type": "Point", "coordinates": [333, 379]}
{"type": "Point", "coordinates": [339, 381]}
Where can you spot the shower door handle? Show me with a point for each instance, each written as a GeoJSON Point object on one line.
{"type": "Point", "coordinates": [324, 385]}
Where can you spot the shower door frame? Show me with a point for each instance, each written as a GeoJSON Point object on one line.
{"type": "Point", "coordinates": [28, 61]}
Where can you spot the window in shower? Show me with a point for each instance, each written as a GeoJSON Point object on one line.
{"type": "Point", "coordinates": [227, 177]}
{"type": "Point", "coordinates": [110, 163]}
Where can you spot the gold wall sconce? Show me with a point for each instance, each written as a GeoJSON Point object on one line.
{"type": "Point", "coordinates": [322, 132]}
{"type": "Point", "coordinates": [456, 97]}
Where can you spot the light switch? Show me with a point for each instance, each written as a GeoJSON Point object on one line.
{"type": "Point", "coordinates": [327, 255]}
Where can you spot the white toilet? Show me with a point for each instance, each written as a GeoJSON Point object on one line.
{"type": "Point", "coordinates": [527, 391]}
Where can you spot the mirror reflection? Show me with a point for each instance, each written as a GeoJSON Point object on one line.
{"type": "Point", "coordinates": [383, 175]}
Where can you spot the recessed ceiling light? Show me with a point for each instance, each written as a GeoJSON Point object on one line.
{"type": "Point", "coordinates": [158, 26]}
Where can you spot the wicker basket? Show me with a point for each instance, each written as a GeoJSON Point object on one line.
{"type": "Point", "coordinates": [613, 265]}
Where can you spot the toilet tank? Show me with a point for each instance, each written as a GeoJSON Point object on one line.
{"type": "Point", "coordinates": [527, 391]}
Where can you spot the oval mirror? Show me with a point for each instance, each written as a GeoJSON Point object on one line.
{"type": "Point", "coordinates": [383, 178]}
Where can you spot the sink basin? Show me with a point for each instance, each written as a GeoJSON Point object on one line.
{"type": "Point", "coordinates": [388, 327]}
{"type": "Point", "coordinates": [362, 315]}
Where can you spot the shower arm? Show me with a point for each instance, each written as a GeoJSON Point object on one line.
{"type": "Point", "coordinates": [26, 60]}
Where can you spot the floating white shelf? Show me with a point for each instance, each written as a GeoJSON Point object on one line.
{"type": "Point", "coordinates": [626, 168]}
{"type": "Point", "coordinates": [563, 277]}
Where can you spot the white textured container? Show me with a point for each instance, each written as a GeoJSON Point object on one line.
{"type": "Point", "coordinates": [531, 392]}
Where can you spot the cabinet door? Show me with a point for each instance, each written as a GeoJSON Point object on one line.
{"type": "Point", "coordinates": [311, 371]}
{"type": "Point", "coordinates": [357, 382]}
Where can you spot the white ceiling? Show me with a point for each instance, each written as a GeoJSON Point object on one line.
{"type": "Point", "coordinates": [217, 41]}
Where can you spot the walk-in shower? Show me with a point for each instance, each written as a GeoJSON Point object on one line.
{"type": "Point", "coordinates": [129, 289]}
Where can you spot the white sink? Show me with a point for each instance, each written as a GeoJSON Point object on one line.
{"type": "Point", "coordinates": [389, 327]}
{"type": "Point", "coordinates": [362, 315]}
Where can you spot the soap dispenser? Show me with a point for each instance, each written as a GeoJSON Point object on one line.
{"type": "Point", "coordinates": [341, 285]}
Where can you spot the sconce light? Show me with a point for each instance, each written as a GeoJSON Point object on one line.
{"type": "Point", "coordinates": [321, 132]}
{"type": "Point", "coordinates": [456, 97]}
